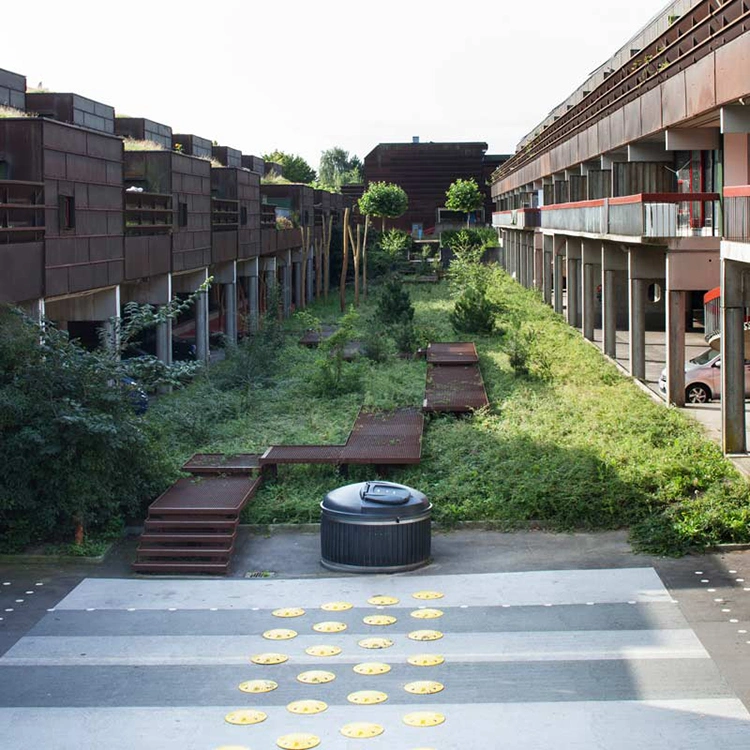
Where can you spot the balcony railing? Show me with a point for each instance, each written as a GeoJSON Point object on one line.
{"type": "Point", "coordinates": [517, 218]}
{"type": "Point", "coordinates": [642, 215]}
{"type": "Point", "coordinates": [225, 214]}
{"type": "Point", "coordinates": [268, 216]}
{"type": "Point", "coordinates": [21, 211]}
{"type": "Point", "coordinates": [147, 213]}
{"type": "Point", "coordinates": [737, 213]}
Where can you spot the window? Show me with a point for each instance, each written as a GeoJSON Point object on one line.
{"type": "Point", "coordinates": [654, 292]}
{"type": "Point", "coordinates": [182, 214]}
{"type": "Point", "coordinates": [243, 215]}
{"type": "Point", "coordinates": [66, 205]}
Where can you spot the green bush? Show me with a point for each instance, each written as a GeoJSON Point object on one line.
{"type": "Point", "coordinates": [396, 243]}
{"type": "Point", "coordinates": [332, 375]}
{"type": "Point", "coordinates": [473, 313]}
{"type": "Point", "coordinates": [394, 304]}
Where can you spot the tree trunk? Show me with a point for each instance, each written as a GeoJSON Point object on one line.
{"type": "Point", "coordinates": [78, 532]}
{"type": "Point", "coordinates": [382, 223]}
{"type": "Point", "coordinates": [364, 258]}
{"type": "Point", "coordinates": [345, 262]}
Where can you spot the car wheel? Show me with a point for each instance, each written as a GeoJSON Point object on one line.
{"type": "Point", "coordinates": [697, 394]}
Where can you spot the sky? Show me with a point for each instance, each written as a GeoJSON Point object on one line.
{"type": "Point", "coordinates": [302, 76]}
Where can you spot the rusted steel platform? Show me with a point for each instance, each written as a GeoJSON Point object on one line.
{"type": "Point", "coordinates": [302, 454]}
{"type": "Point", "coordinates": [454, 389]}
{"type": "Point", "coordinates": [313, 338]}
{"type": "Point", "coordinates": [192, 527]}
{"type": "Point", "coordinates": [452, 353]}
{"type": "Point", "coordinates": [218, 463]}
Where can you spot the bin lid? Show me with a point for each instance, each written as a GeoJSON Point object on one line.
{"type": "Point", "coordinates": [376, 498]}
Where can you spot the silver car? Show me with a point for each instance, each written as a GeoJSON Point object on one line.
{"type": "Point", "coordinates": [703, 378]}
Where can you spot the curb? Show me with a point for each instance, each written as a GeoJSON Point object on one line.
{"type": "Point", "coordinates": [22, 559]}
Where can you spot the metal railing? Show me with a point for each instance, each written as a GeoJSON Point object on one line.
{"type": "Point", "coordinates": [737, 214]}
{"type": "Point", "coordinates": [147, 213]}
{"type": "Point", "coordinates": [21, 211]}
{"type": "Point", "coordinates": [518, 218]}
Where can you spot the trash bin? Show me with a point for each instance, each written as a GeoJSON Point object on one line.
{"type": "Point", "coordinates": [375, 527]}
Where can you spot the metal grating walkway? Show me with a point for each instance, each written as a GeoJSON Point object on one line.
{"type": "Point", "coordinates": [454, 389]}
{"type": "Point", "coordinates": [452, 353]}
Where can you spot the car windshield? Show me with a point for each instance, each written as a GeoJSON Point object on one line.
{"type": "Point", "coordinates": [704, 358]}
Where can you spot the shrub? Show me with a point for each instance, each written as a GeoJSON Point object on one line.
{"type": "Point", "coordinates": [376, 346]}
{"type": "Point", "coordinates": [394, 304]}
{"type": "Point", "coordinates": [473, 313]}
{"type": "Point", "coordinates": [396, 243]}
{"type": "Point", "coordinates": [333, 375]}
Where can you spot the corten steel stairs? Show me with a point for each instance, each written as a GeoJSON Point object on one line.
{"type": "Point", "coordinates": [192, 527]}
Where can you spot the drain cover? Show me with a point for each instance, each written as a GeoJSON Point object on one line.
{"type": "Point", "coordinates": [269, 659]}
{"type": "Point", "coordinates": [329, 627]}
{"type": "Point", "coordinates": [425, 660]}
{"type": "Point", "coordinates": [425, 635]}
{"type": "Point", "coordinates": [424, 719]}
{"type": "Point", "coordinates": [298, 741]}
{"type": "Point", "coordinates": [245, 716]}
{"type": "Point", "coordinates": [323, 650]}
{"type": "Point", "coordinates": [427, 614]}
{"type": "Point", "coordinates": [280, 634]}
{"type": "Point", "coordinates": [372, 667]}
{"type": "Point", "coordinates": [367, 697]}
{"type": "Point", "coordinates": [427, 595]}
{"type": "Point", "coordinates": [307, 707]}
{"type": "Point", "coordinates": [258, 686]}
{"type": "Point", "coordinates": [382, 600]}
{"type": "Point", "coordinates": [288, 612]}
{"type": "Point", "coordinates": [424, 687]}
{"type": "Point", "coordinates": [376, 643]}
{"type": "Point", "coordinates": [336, 606]}
{"type": "Point", "coordinates": [379, 620]}
{"type": "Point", "coordinates": [316, 677]}
{"type": "Point", "coordinates": [361, 729]}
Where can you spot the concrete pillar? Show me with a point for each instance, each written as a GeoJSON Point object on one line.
{"type": "Point", "coordinates": [101, 306]}
{"type": "Point", "coordinates": [733, 433]}
{"type": "Point", "coordinates": [299, 302]}
{"type": "Point", "coordinates": [201, 326]}
{"type": "Point", "coordinates": [547, 269]}
{"type": "Point", "coordinates": [676, 347]}
{"type": "Point", "coordinates": [249, 269]}
{"type": "Point", "coordinates": [609, 313]}
{"type": "Point", "coordinates": [287, 284]}
{"type": "Point", "coordinates": [230, 308]}
{"type": "Point", "coordinates": [537, 240]}
{"type": "Point", "coordinates": [587, 313]}
{"type": "Point", "coordinates": [310, 278]}
{"type": "Point", "coordinates": [557, 282]}
{"type": "Point", "coordinates": [573, 275]}
{"type": "Point", "coordinates": [637, 343]}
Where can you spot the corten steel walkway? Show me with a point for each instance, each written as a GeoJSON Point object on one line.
{"type": "Point", "coordinates": [454, 382]}
{"type": "Point", "coordinates": [192, 527]}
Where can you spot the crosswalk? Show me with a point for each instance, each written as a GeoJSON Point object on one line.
{"type": "Point", "coordinates": [584, 659]}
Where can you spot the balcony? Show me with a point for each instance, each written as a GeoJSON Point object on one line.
{"type": "Point", "coordinates": [645, 215]}
{"type": "Point", "coordinates": [517, 218]}
{"type": "Point", "coordinates": [147, 213]}
{"type": "Point", "coordinates": [21, 211]}
{"type": "Point", "coordinates": [737, 213]}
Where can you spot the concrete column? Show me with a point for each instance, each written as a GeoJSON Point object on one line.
{"type": "Point", "coordinates": [637, 342]}
{"type": "Point", "coordinates": [547, 268]}
{"type": "Point", "coordinates": [537, 240]}
{"type": "Point", "coordinates": [299, 302]}
{"type": "Point", "coordinates": [573, 275]}
{"type": "Point", "coordinates": [587, 313]}
{"type": "Point", "coordinates": [609, 313]}
{"type": "Point", "coordinates": [557, 283]}
{"type": "Point", "coordinates": [287, 286]}
{"type": "Point", "coordinates": [156, 290]}
{"type": "Point", "coordinates": [253, 311]}
{"type": "Point", "coordinates": [164, 341]}
{"type": "Point", "coordinates": [201, 326]}
{"type": "Point", "coordinates": [676, 347]}
{"type": "Point", "coordinates": [230, 310]}
{"type": "Point", "coordinates": [310, 278]}
{"type": "Point", "coordinates": [733, 433]}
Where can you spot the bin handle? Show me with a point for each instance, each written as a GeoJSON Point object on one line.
{"type": "Point", "coordinates": [394, 494]}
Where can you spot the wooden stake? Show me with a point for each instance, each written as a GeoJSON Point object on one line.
{"type": "Point", "coordinates": [355, 255]}
{"type": "Point", "coordinates": [303, 280]}
{"type": "Point", "coordinates": [364, 258]}
{"type": "Point", "coordinates": [344, 263]}
{"type": "Point", "coordinates": [327, 260]}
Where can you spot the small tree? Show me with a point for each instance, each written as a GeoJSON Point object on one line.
{"type": "Point", "coordinates": [464, 195]}
{"type": "Point", "coordinates": [384, 199]}
{"type": "Point", "coordinates": [337, 168]}
{"type": "Point", "coordinates": [296, 169]}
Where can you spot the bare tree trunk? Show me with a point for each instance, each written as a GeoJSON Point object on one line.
{"type": "Point", "coordinates": [364, 258]}
{"type": "Point", "coordinates": [345, 262]}
{"type": "Point", "coordinates": [355, 256]}
{"type": "Point", "coordinates": [327, 260]}
{"type": "Point", "coordinates": [303, 274]}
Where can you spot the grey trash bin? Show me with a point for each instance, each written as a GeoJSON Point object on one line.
{"type": "Point", "coordinates": [375, 527]}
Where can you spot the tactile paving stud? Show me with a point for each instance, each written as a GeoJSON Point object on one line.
{"type": "Point", "coordinates": [316, 677]}
{"type": "Point", "coordinates": [307, 707]}
{"type": "Point", "coordinates": [280, 634]}
{"type": "Point", "coordinates": [245, 716]}
{"type": "Point", "coordinates": [258, 686]}
{"type": "Point", "coordinates": [425, 595]}
{"type": "Point", "coordinates": [382, 600]}
{"type": "Point", "coordinates": [425, 635]}
{"type": "Point", "coordinates": [372, 668]}
{"type": "Point", "coordinates": [376, 643]}
{"type": "Point", "coordinates": [367, 697]}
{"type": "Point", "coordinates": [288, 612]}
{"type": "Point", "coordinates": [336, 606]}
{"type": "Point", "coordinates": [323, 650]}
{"type": "Point", "coordinates": [427, 614]}
{"type": "Point", "coordinates": [425, 660]}
{"type": "Point", "coordinates": [361, 730]}
{"type": "Point", "coordinates": [269, 658]}
{"type": "Point", "coordinates": [423, 719]}
{"type": "Point", "coordinates": [298, 741]}
{"type": "Point", "coordinates": [424, 687]}
{"type": "Point", "coordinates": [329, 627]}
{"type": "Point", "coordinates": [378, 620]}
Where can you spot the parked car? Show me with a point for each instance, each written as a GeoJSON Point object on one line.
{"type": "Point", "coordinates": [703, 378]}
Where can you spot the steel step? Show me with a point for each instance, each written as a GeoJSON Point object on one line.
{"type": "Point", "coordinates": [176, 552]}
{"type": "Point", "coordinates": [181, 567]}
{"type": "Point", "coordinates": [188, 538]}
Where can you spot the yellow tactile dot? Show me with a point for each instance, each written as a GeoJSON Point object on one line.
{"type": "Point", "coordinates": [323, 650]}
{"type": "Point", "coordinates": [361, 730]}
{"type": "Point", "coordinates": [316, 677]}
{"type": "Point", "coordinates": [378, 620]}
{"type": "Point", "coordinates": [280, 634]}
{"type": "Point", "coordinates": [298, 741]}
{"type": "Point", "coordinates": [425, 660]}
{"type": "Point", "coordinates": [336, 606]}
{"type": "Point", "coordinates": [376, 643]}
{"type": "Point", "coordinates": [269, 658]}
{"type": "Point", "coordinates": [425, 635]}
{"type": "Point", "coordinates": [307, 707]}
{"type": "Point", "coordinates": [367, 697]}
{"type": "Point", "coordinates": [424, 687]}
{"type": "Point", "coordinates": [245, 716]}
{"type": "Point", "coordinates": [288, 612]}
{"type": "Point", "coordinates": [329, 627]}
{"type": "Point", "coordinates": [258, 686]}
{"type": "Point", "coordinates": [427, 595]}
{"type": "Point", "coordinates": [372, 667]}
{"type": "Point", "coordinates": [424, 719]}
{"type": "Point", "coordinates": [382, 600]}
{"type": "Point", "coordinates": [427, 614]}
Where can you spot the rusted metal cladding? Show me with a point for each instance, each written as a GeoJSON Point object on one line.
{"type": "Point", "coordinates": [73, 109]}
{"type": "Point", "coordinates": [642, 177]}
{"type": "Point", "coordinates": [254, 164]}
{"type": "Point", "coordinates": [142, 129]}
{"type": "Point", "coordinates": [248, 191]}
{"type": "Point", "coordinates": [192, 145]}
{"type": "Point", "coordinates": [225, 214]}
{"type": "Point", "coordinates": [147, 256]}
{"type": "Point", "coordinates": [300, 199]}
{"type": "Point", "coordinates": [268, 241]}
{"type": "Point", "coordinates": [12, 90]}
{"type": "Point", "coordinates": [22, 276]}
{"type": "Point", "coordinates": [229, 157]}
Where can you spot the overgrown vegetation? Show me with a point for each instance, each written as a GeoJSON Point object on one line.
{"type": "Point", "coordinates": [8, 112]}
{"type": "Point", "coordinates": [295, 168]}
{"type": "Point", "coordinates": [133, 144]}
{"type": "Point", "coordinates": [464, 196]}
